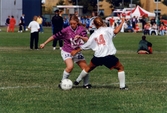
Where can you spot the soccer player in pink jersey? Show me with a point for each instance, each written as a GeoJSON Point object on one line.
{"type": "Point", "coordinates": [104, 51]}
{"type": "Point", "coordinates": [73, 37]}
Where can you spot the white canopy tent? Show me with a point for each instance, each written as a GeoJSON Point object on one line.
{"type": "Point", "coordinates": [139, 12]}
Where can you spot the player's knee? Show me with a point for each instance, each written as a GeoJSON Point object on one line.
{"type": "Point", "coordinates": [69, 68]}
{"type": "Point", "coordinates": [121, 68]}
{"type": "Point", "coordinates": [87, 69]}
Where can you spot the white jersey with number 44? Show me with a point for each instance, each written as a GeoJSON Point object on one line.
{"type": "Point", "coordinates": [101, 42]}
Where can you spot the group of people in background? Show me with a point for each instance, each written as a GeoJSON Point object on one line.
{"type": "Point", "coordinates": [143, 24]}
{"type": "Point", "coordinates": [60, 22]}
{"type": "Point", "coordinates": [35, 26]}
{"type": "Point", "coordinates": [10, 23]}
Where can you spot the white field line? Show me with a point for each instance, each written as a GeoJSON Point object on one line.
{"type": "Point", "coordinates": [144, 82]}
{"type": "Point", "coordinates": [17, 87]}
{"type": "Point", "coordinates": [140, 82]}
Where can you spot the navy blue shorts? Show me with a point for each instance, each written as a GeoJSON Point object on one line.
{"type": "Point", "coordinates": [108, 61]}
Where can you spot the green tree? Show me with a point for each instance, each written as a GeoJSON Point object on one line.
{"type": "Point", "coordinates": [88, 5]}
{"type": "Point", "coordinates": [122, 3]}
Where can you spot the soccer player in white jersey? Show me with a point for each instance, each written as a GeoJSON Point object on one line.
{"type": "Point", "coordinates": [104, 51]}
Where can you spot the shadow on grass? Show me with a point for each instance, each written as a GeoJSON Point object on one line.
{"type": "Point", "coordinates": [99, 87]}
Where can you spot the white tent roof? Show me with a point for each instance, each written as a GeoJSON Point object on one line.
{"type": "Point", "coordinates": [139, 12]}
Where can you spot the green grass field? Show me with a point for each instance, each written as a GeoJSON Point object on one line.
{"type": "Point", "coordinates": [29, 78]}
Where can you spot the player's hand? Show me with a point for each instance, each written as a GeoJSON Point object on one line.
{"type": "Point", "coordinates": [123, 14]}
{"type": "Point", "coordinates": [42, 45]}
{"type": "Point", "coordinates": [77, 36]}
{"type": "Point", "coordinates": [74, 52]}
{"type": "Point", "coordinates": [123, 19]}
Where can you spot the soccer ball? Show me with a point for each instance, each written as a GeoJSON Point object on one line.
{"type": "Point", "coordinates": [66, 84]}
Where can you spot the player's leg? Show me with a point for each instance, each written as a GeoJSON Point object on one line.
{"type": "Point", "coordinates": [67, 70]}
{"type": "Point", "coordinates": [150, 50]}
{"type": "Point", "coordinates": [80, 60]}
{"type": "Point", "coordinates": [31, 40]}
{"type": "Point", "coordinates": [60, 44]}
{"type": "Point", "coordinates": [84, 74]}
{"type": "Point", "coordinates": [69, 64]}
{"type": "Point", "coordinates": [112, 62]}
{"type": "Point", "coordinates": [36, 40]}
{"type": "Point", "coordinates": [69, 67]}
{"type": "Point", "coordinates": [54, 44]}
{"type": "Point", "coordinates": [121, 75]}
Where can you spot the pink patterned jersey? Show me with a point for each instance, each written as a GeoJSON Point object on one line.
{"type": "Point", "coordinates": [67, 35]}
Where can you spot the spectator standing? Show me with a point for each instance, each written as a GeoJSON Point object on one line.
{"type": "Point", "coordinates": [40, 21]}
{"type": "Point", "coordinates": [143, 21]}
{"type": "Point", "coordinates": [83, 20]}
{"type": "Point", "coordinates": [66, 22]}
{"type": "Point", "coordinates": [92, 26]}
{"type": "Point", "coordinates": [152, 21]}
{"type": "Point", "coordinates": [7, 23]}
{"type": "Point", "coordinates": [22, 23]}
{"type": "Point", "coordinates": [134, 22]}
{"type": "Point", "coordinates": [57, 22]}
{"type": "Point", "coordinates": [12, 24]}
{"type": "Point", "coordinates": [34, 36]}
{"type": "Point", "coordinates": [87, 20]}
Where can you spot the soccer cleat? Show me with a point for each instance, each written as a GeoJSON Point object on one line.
{"type": "Point", "coordinates": [88, 86]}
{"type": "Point", "coordinates": [59, 85]}
{"type": "Point", "coordinates": [124, 88]}
{"type": "Point", "coordinates": [76, 83]}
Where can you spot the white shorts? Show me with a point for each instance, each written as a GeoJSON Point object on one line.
{"type": "Point", "coordinates": [78, 57]}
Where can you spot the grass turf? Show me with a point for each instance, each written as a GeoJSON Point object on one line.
{"type": "Point", "coordinates": [29, 78]}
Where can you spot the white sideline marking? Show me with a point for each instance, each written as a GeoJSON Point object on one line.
{"type": "Point", "coordinates": [140, 82]}
{"type": "Point", "coordinates": [143, 82]}
{"type": "Point", "coordinates": [17, 87]}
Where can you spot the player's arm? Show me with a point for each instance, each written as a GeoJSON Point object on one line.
{"type": "Point", "coordinates": [84, 38]}
{"type": "Point", "coordinates": [117, 29]}
{"type": "Point", "coordinates": [47, 41]}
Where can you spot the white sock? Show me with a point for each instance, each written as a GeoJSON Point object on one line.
{"type": "Point", "coordinates": [121, 77]}
{"type": "Point", "coordinates": [81, 75]}
{"type": "Point", "coordinates": [65, 75]}
{"type": "Point", "coordinates": [86, 80]}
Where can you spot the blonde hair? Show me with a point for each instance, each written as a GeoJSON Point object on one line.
{"type": "Point", "coordinates": [99, 22]}
{"type": "Point", "coordinates": [75, 18]}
